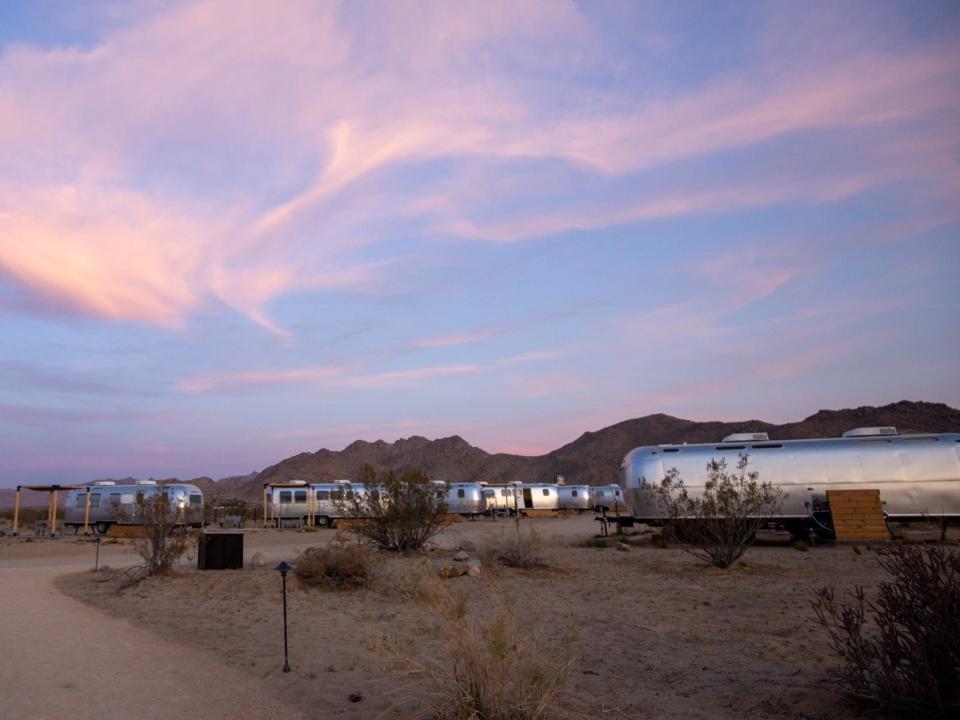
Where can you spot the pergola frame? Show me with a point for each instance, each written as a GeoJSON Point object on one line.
{"type": "Point", "coordinates": [52, 503]}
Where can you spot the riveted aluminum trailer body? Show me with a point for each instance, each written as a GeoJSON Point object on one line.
{"type": "Point", "coordinates": [538, 496]}
{"type": "Point", "coordinates": [501, 499]}
{"type": "Point", "coordinates": [575, 497]}
{"type": "Point", "coordinates": [321, 502]}
{"type": "Point", "coordinates": [116, 504]}
{"type": "Point", "coordinates": [918, 476]}
{"type": "Point", "coordinates": [466, 499]}
{"type": "Point", "coordinates": [607, 497]}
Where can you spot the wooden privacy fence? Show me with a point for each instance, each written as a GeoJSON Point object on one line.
{"type": "Point", "coordinates": [858, 515]}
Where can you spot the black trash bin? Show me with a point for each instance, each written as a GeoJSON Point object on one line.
{"type": "Point", "coordinates": [220, 551]}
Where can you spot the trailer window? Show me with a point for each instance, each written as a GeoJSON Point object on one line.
{"type": "Point", "coordinates": [506, 493]}
{"type": "Point", "coordinates": [95, 500]}
{"type": "Point", "coordinates": [336, 494]}
{"type": "Point", "coordinates": [489, 493]}
{"type": "Point", "coordinates": [81, 501]}
{"type": "Point", "coordinates": [196, 499]}
{"type": "Point", "coordinates": [723, 447]}
{"type": "Point", "coordinates": [323, 494]}
{"type": "Point", "coordinates": [286, 496]}
{"type": "Point", "coordinates": [671, 449]}
{"type": "Point", "coordinates": [460, 493]}
{"type": "Point", "coordinates": [573, 493]}
{"type": "Point", "coordinates": [300, 496]}
{"type": "Point", "coordinates": [546, 491]}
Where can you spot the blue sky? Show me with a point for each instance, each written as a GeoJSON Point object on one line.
{"type": "Point", "coordinates": [233, 231]}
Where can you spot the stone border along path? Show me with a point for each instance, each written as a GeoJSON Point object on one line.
{"type": "Point", "coordinates": [61, 659]}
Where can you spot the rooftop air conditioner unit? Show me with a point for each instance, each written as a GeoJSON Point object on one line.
{"type": "Point", "coordinates": [870, 431]}
{"type": "Point", "coordinates": [746, 437]}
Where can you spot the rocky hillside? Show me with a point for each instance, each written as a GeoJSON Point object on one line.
{"type": "Point", "coordinates": [592, 458]}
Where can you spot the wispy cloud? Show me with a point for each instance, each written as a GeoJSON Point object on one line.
{"type": "Point", "coordinates": [87, 220]}
{"type": "Point", "coordinates": [206, 383]}
{"type": "Point", "coordinates": [456, 339]}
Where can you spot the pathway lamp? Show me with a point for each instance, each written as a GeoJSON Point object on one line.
{"type": "Point", "coordinates": [284, 567]}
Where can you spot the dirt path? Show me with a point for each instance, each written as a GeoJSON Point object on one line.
{"type": "Point", "coordinates": [53, 650]}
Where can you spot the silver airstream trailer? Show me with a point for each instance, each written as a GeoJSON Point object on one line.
{"type": "Point", "coordinates": [316, 504]}
{"type": "Point", "coordinates": [918, 476]}
{"type": "Point", "coordinates": [111, 503]}
{"type": "Point", "coordinates": [538, 496]}
{"type": "Point", "coordinates": [607, 498]}
{"type": "Point", "coordinates": [501, 499]}
{"type": "Point", "coordinates": [466, 499]}
{"type": "Point", "coordinates": [575, 497]}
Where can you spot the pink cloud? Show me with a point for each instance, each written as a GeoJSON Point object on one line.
{"type": "Point", "coordinates": [206, 383]}
{"type": "Point", "coordinates": [459, 339]}
{"type": "Point", "coordinates": [83, 222]}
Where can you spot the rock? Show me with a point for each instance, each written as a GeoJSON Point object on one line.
{"type": "Point", "coordinates": [473, 571]}
{"type": "Point", "coordinates": [459, 569]}
{"type": "Point", "coordinates": [474, 562]}
{"type": "Point", "coordinates": [257, 560]}
{"type": "Point", "coordinates": [623, 547]}
{"type": "Point", "coordinates": [461, 556]}
{"type": "Point", "coordinates": [468, 546]}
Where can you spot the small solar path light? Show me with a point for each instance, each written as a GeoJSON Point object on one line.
{"type": "Point", "coordinates": [284, 567]}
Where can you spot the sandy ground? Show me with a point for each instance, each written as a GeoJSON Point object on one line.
{"type": "Point", "coordinates": [659, 634]}
{"type": "Point", "coordinates": [63, 658]}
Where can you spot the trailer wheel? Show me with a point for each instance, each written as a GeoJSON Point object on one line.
{"type": "Point", "coordinates": [102, 528]}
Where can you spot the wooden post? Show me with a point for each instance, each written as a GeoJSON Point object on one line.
{"type": "Point", "coordinates": [86, 515]}
{"type": "Point", "coordinates": [16, 512]}
{"type": "Point", "coordinates": [53, 513]}
{"type": "Point", "coordinates": [264, 507]}
{"type": "Point", "coordinates": [49, 509]}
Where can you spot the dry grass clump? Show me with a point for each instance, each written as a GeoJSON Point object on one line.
{"type": "Point", "coordinates": [337, 567]}
{"type": "Point", "coordinates": [901, 652]}
{"type": "Point", "coordinates": [493, 669]}
{"type": "Point", "coordinates": [522, 550]}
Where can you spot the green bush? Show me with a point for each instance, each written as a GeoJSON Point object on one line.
{"type": "Point", "coordinates": [901, 652]}
{"type": "Point", "coordinates": [721, 522]}
{"type": "Point", "coordinates": [337, 567]}
{"type": "Point", "coordinates": [400, 512]}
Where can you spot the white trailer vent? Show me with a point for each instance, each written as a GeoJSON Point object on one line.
{"type": "Point", "coordinates": [746, 437]}
{"type": "Point", "coordinates": [870, 431]}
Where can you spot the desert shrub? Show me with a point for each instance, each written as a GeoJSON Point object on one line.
{"type": "Point", "coordinates": [515, 549]}
{"type": "Point", "coordinates": [165, 539]}
{"type": "Point", "coordinates": [901, 652]}
{"type": "Point", "coordinates": [496, 669]}
{"type": "Point", "coordinates": [337, 567]}
{"type": "Point", "coordinates": [400, 512]}
{"type": "Point", "coordinates": [594, 542]}
{"type": "Point", "coordinates": [719, 524]}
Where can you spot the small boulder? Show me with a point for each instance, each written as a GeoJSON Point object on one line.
{"type": "Point", "coordinates": [473, 571]}
{"type": "Point", "coordinates": [461, 556]}
{"type": "Point", "coordinates": [623, 547]}
{"type": "Point", "coordinates": [468, 546]}
{"type": "Point", "coordinates": [257, 561]}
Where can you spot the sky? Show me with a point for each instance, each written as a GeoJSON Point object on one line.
{"type": "Point", "coordinates": [231, 231]}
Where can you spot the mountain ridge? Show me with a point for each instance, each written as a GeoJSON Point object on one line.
{"type": "Point", "coordinates": [592, 458]}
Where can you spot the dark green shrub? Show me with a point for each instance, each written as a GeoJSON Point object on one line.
{"type": "Point", "coordinates": [337, 567]}
{"type": "Point", "coordinates": [721, 522]}
{"type": "Point", "coordinates": [901, 652]}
